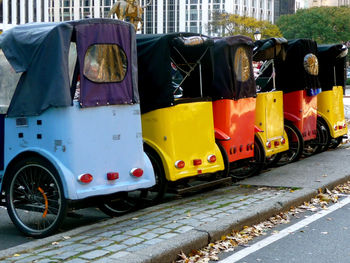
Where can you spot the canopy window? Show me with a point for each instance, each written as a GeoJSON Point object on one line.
{"type": "Point", "coordinates": [264, 52]}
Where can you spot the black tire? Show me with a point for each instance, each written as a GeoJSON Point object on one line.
{"type": "Point", "coordinates": [320, 143]}
{"type": "Point", "coordinates": [296, 146]}
{"type": "Point", "coordinates": [35, 198]}
{"type": "Point", "coordinates": [225, 173]}
{"type": "Point", "coordinates": [326, 134]}
{"type": "Point", "coordinates": [334, 142]}
{"type": "Point", "coordinates": [120, 203]}
{"type": "Point", "coordinates": [272, 160]}
{"type": "Point", "coordinates": [251, 166]}
{"type": "Point", "coordinates": [156, 193]}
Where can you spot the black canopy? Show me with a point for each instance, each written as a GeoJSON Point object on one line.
{"type": "Point", "coordinates": [155, 54]}
{"type": "Point", "coordinates": [332, 59]}
{"type": "Point", "coordinates": [270, 48]}
{"type": "Point", "coordinates": [233, 71]}
{"type": "Point", "coordinates": [299, 70]}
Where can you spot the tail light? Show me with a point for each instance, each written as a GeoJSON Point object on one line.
{"type": "Point", "coordinates": [252, 146]}
{"type": "Point", "coordinates": [179, 164]}
{"type": "Point", "coordinates": [283, 141]}
{"type": "Point", "coordinates": [276, 143]}
{"type": "Point", "coordinates": [340, 127]}
{"type": "Point", "coordinates": [212, 158]}
{"type": "Point", "coordinates": [344, 126]}
{"type": "Point", "coordinates": [268, 145]}
{"type": "Point", "coordinates": [335, 127]}
{"type": "Point", "coordinates": [197, 162]}
{"type": "Point", "coordinates": [137, 172]}
{"type": "Point", "coordinates": [112, 176]}
{"type": "Point", "coordinates": [85, 178]}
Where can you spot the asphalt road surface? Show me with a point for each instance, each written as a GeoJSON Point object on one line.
{"type": "Point", "coordinates": [321, 237]}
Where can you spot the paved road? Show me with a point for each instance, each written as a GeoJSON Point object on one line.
{"type": "Point", "coordinates": [324, 240]}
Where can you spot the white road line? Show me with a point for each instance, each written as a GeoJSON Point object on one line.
{"type": "Point", "coordinates": [285, 232]}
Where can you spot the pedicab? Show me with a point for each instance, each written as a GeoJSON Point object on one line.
{"type": "Point", "coordinates": [269, 101]}
{"type": "Point", "coordinates": [297, 77]}
{"type": "Point", "coordinates": [330, 105]}
{"type": "Point", "coordinates": [177, 119]}
{"type": "Point", "coordinates": [234, 101]}
{"type": "Point", "coordinates": [70, 121]}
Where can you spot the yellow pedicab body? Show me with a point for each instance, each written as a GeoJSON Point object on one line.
{"type": "Point", "coordinates": [269, 119]}
{"type": "Point", "coordinates": [183, 132]}
{"type": "Point", "coordinates": [330, 107]}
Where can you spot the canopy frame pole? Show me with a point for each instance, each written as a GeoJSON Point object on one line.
{"type": "Point", "coordinates": [188, 73]}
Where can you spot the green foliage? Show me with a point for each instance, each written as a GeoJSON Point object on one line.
{"type": "Point", "coordinates": [243, 25]}
{"type": "Point", "coordinates": [323, 24]}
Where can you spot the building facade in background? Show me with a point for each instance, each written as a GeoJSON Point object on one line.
{"type": "Point", "coordinates": [287, 7]}
{"type": "Point", "coordinates": [329, 3]}
{"type": "Point", "coordinates": [165, 16]}
{"type": "Point", "coordinates": [160, 16]}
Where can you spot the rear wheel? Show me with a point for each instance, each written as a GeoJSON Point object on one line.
{"type": "Point", "coordinates": [296, 145]}
{"type": "Point", "coordinates": [155, 194]}
{"type": "Point", "coordinates": [320, 143]}
{"type": "Point", "coordinates": [120, 203]}
{"type": "Point", "coordinates": [226, 171]}
{"type": "Point", "coordinates": [251, 166]}
{"type": "Point", "coordinates": [34, 197]}
{"type": "Point", "coordinates": [272, 160]}
{"type": "Point", "coordinates": [334, 142]}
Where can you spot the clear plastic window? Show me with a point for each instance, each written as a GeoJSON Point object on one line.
{"type": "Point", "coordinates": [311, 64]}
{"type": "Point", "coordinates": [241, 65]}
{"type": "Point", "coordinates": [72, 60]}
{"type": "Point", "coordinates": [105, 63]}
{"type": "Point", "coordinates": [8, 83]}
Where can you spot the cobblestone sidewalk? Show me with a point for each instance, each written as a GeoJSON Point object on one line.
{"type": "Point", "coordinates": [118, 237]}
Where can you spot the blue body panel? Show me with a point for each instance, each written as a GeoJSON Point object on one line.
{"type": "Point", "coordinates": [2, 137]}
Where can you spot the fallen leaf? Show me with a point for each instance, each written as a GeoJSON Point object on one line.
{"type": "Point", "coordinates": [54, 243]}
{"type": "Point", "coordinates": [16, 255]}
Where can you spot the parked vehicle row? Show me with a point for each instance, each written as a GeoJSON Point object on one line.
{"type": "Point", "coordinates": [93, 114]}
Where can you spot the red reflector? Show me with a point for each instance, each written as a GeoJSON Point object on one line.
{"type": "Point", "coordinates": [199, 171]}
{"type": "Point", "coordinates": [112, 176]}
{"type": "Point", "coordinates": [340, 127]}
{"type": "Point", "coordinates": [197, 162]}
{"type": "Point", "coordinates": [212, 158]}
{"type": "Point", "coordinates": [85, 178]}
{"type": "Point", "coordinates": [137, 172]}
{"type": "Point", "coordinates": [180, 164]}
{"type": "Point", "coordinates": [277, 143]}
{"type": "Point", "coordinates": [268, 145]}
